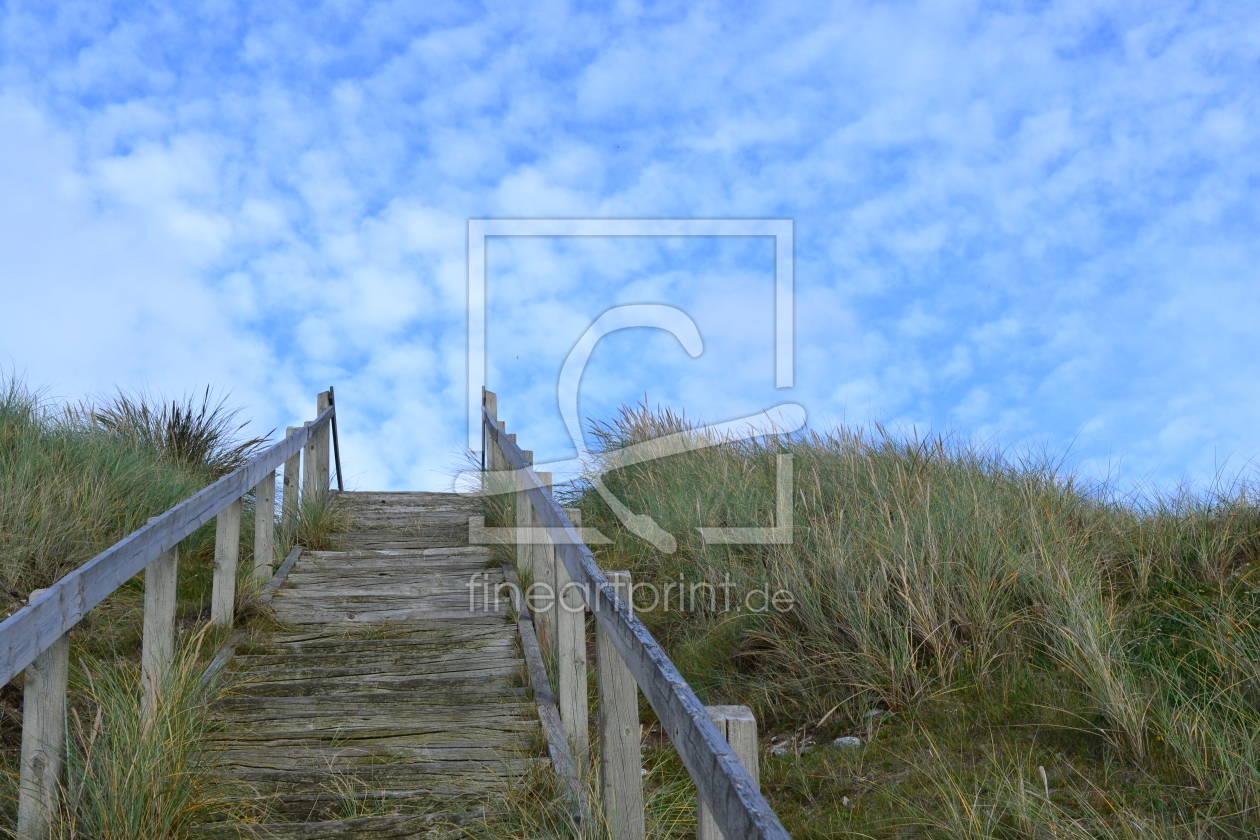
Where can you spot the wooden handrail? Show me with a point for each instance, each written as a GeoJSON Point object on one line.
{"type": "Point", "coordinates": [726, 789]}
{"type": "Point", "coordinates": [36, 637]}
{"type": "Point", "coordinates": [34, 628]}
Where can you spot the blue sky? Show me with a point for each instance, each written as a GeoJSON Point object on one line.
{"type": "Point", "coordinates": [1027, 222]}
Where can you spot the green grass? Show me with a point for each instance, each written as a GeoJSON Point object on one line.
{"type": "Point", "coordinates": [72, 483]}
{"type": "Point", "coordinates": [1014, 619]}
{"type": "Point", "coordinates": [69, 489]}
{"type": "Point", "coordinates": [137, 772]}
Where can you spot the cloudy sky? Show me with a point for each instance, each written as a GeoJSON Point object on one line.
{"type": "Point", "coordinates": [1033, 222]}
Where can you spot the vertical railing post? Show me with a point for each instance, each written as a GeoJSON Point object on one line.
{"type": "Point", "coordinates": [739, 727]}
{"type": "Point", "coordinates": [322, 401]}
{"type": "Point", "coordinates": [542, 560]}
{"type": "Point", "coordinates": [570, 618]}
{"type": "Point", "coordinates": [492, 482]}
{"type": "Point", "coordinates": [157, 644]}
{"type": "Point", "coordinates": [490, 401]}
{"type": "Point", "coordinates": [227, 546]}
{"type": "Point", "coordinates": [495, 483]}
{"type": "Point", "coordinates": [264, 526]}
{"type": "Point", "coordinates": [43, 739]}
{"type": "Point", "coordinates": [292, 480]}
{"type": "Point", "coordinates": [503, 462]}
{"type": "Point", "coordinates": [620, 758]}
{"type": "Point", "coordinates": [311, 489]}
{"type": "Point", "coordinates": [524, 551]}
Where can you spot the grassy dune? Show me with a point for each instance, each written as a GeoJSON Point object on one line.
{"type": "Point", "coordinates": [1022, 656]}
{"type": "Point", "coordinates": [72, 482]}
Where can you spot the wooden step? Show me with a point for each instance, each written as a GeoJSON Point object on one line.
{"type": "Point", "coordinates": [398, 827]}
{"type": "Point", "coordinates": [502, 735]}
{"type": "Point", "coordinates": [385, 687]}
{"type": "Point", "coordinates": [460, 775]}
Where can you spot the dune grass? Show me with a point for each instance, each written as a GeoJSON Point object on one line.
{"type": "Point", "coordinates": [139, 772]}
{"type": "Point", "coordinates": [69, 489]}
{"type": "Point", "coordinates": [73, 482]}
{"type": "Point", "coordinates": [1022, 655]}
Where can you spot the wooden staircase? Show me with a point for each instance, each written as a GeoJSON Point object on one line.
{"type": "Point", "coordinates": [386, 703]}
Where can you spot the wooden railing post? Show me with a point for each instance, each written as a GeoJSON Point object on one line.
{"type": "Point", "coordinates": [311, 489]}
{"type": "Point", "coordinates": [491, 402]}
{"type": "Point", "coordinates": [227, 547]}
{"type": "Point", "coordinates": [157, 644]}
{"type": "Point", "coordinates": [322, 439]}
{"type": "Point", "coordinates": [503, 462]}
{"type": "Point", "coordinates": [264, 526]}
{"type": "Point", "coordinates": [43, 738]}
{"type": "Point", "coordinates": [493, 483]}
{"type": "Point", "coordinates": [541, 559]}
{"type": "Point", "coordinates": [620, 759]}
{"type": "Point", "coordinates": [524, 551]}
{"type": "Point", "coordinates": [570, 624]}
{"type": "Point", "coordinates": [739, 727]}
{"type": "Point", "coordinates": [521, 503]}
{"type": "Point", "coordinates": [292, 480]}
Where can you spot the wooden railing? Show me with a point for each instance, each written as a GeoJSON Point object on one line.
{"type": "Point", "coordinates": [35, 639]}
{"type": "Point", "coordinates": [718, 745]}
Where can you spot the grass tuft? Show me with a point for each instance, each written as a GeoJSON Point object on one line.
{"type": "Point", "coordinates": [138, 772]}
{"type": "Point", "coordinates": [199, 434]}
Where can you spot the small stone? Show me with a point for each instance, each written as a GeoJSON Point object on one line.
{"type": "Point", "coordinates": [642, 771]}
{"type": "Point", "coordinates": [844, 800]}
{"type": "Point", "coordinates": [846, 741]}
{"type": "Point", "coordinates": [779, 751]}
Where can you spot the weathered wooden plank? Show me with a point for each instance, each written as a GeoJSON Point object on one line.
{"type": "Point", "coordinates": [395, 827]}
{"type": "Point", "coordinates": [227, 547]}
{"type": "Point", "coordinates": [504, 733]}
{"type": "Point", "coordinates": [739, 808]}
{"type": "Point", "coordinates": [292, 483]}
{"type": "Point", "coordinates": [416, 554]}
{"type": "Point", "coordinates": [621, 760]}
{"type": "Point", "coordinates": [298, 615]}
{"type": "Point", "coordinates": [329, 725]}
{"type": "Point", "coordinates": [323, 401]}
{"type": "Point", "coordinates": [264, 525]}
{"type": "Point", "coordinates": [369, 667]}
{"type": "Point", "coordinates": [470, 686]}
{"type": "Point", "coordinates": [454, 586]}
{"type": "Point", "coordinates": [548, 712]}
{"type": "Point", "coordinates": [542, 566]}
{"type": "Point", "coordinates": [486, 677]}
{"type": "Point", "coordinates": [571, 677]}
{"type": "Point", "coordinates": [43, 740]}
{"type": "Point", "coordinates": [46, 618]}
{"type": "Point", "coordinates": [336, 758]}
{"type": "Point", "coordinates": [352, 540]}
{"type": "Point", "coordinates": [739, 727]}
{"type": "Point", "coordinates": [401, 559]}
{"type": "Point", "coordinates": [158, 632]}
{"type": "Point", "coordinates": [470, 775]}
{"type": "Point", "coordinates": [494, 652]}
{"type": "Point", "coordinates": [456, 637]}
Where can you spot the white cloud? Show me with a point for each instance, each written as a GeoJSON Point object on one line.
{"type": "Point", "coordinates": [1033, 222]}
